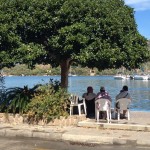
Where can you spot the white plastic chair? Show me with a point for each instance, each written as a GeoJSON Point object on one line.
{"type": "Point", "coordinates": [74, 102]}
{"type": "Point", "coordinates": [103, 105]}
{"type": "Point", "coordinates": [123, 104]}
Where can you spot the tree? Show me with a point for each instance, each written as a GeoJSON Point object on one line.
{"type": "Point", "coordinates": [148, 43]}
{"type": "Point", "coordinates": [2, 88]}
{"type": "Point", "coordinates": [93, 33]}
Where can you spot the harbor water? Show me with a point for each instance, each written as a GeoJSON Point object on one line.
{"type": "Point", "coordinates": [139, 89]}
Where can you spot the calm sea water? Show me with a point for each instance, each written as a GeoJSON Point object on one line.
{"type": "Point", "coordinates": [139, 90]}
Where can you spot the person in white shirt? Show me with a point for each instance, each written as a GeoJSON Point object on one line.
{"type": "Point", "coordinates": [90, 101]}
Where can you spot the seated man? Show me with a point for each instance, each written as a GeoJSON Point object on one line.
{"type": "Point", "coordinates": [123, 94]}
{"type": "Point", "coordinates": [90, 101]}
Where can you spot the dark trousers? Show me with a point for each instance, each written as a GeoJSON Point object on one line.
{"type": "Point", "coordinates": [90, 107]}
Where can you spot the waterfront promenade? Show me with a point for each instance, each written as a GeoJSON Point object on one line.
{"type": "Point", "coordinates": [133, 132]}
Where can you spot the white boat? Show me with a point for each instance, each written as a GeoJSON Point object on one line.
{"type": "Point", "coordinates": [141, 77]}
{"type": "Point", "coordinates": [120, 77]}
{"type": "Point", "coordinates": [71, 75]}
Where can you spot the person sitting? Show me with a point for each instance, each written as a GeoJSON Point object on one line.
{"type": "Point", "coordinates": [103, 94]}
{"type": "Point", "coordinates": [123, 94]}
{"type": "Point", "coordinates": [90, 101]}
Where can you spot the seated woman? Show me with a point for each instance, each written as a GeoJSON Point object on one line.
{"type": "Point", "coordinates": [90, 101]}
{"type": "Point", "coordinates": [105, 95]}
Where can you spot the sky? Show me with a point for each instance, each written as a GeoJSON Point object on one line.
{"type": "Point", "coordinates": [142, 15]}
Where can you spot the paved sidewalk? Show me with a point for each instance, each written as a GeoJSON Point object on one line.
{"type": "Point", "coordinates": [140, 121]}
{"type": "Point", "coordinates": [84, 134]}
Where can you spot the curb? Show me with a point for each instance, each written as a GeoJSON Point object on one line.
{"type": "Point", "coordinates": [72, 137]}
{"type": "Point", "coordinates": [104, 140]}
{"type": "Point", "coordinates": [30, 133]}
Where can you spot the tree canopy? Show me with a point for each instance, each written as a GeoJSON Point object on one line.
{"type": "Point", "coordinates": [93, 33]}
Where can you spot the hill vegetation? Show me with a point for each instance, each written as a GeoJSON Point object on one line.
{"type": "Point", "coordinates": [22, 69]}
{"type": "Point", "coordinates": [40, 70]}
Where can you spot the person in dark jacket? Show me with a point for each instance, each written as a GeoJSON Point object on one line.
{"type": "Point", "coordinates": [90, 101]}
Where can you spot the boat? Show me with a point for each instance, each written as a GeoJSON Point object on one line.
{"type": "Point", "coordinates": [120, 77]}
{"type": "Point", "coordinates": [71, 75]}
{"type": "Point", "coordinates": [141, 77]}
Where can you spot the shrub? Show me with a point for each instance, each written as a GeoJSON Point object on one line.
{"type": "Point", "coordinates": [42, 102]}
{"type": "Point", "coordinates": [16, 99]}
{"type": "Point", "coordinates": [48, 103]}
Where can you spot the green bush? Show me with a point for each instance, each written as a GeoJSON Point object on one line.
{"type": "Point", "coordinates": [42, 102]}
{"type": "Point", "coordinates": [48, 103]}
{"type": "Point", "coordinates": [16, 99]}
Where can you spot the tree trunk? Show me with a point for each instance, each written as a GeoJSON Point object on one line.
{"type": "Point", "coordinates": [65, 65]}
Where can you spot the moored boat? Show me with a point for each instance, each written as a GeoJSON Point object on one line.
{"type": "Point", "coordinates": [120, 77]}
{"type": "Point", "coordinates": [141, 77]}
{"type": "Point", "coordinates": [71, 75]}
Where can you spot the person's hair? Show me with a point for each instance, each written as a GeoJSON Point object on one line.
{"type": "Point", "coordinates": [102, 89]}
{"type": "Point", "coordinates": [125, 88]}
{"type": "Point", "coordinates": [89, 89]}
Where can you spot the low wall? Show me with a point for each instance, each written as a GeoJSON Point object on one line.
{"type": "Point", "coordinates": [22, 119]}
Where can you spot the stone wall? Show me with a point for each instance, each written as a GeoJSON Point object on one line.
{"type": "Point", "coordinates": [22, 119]}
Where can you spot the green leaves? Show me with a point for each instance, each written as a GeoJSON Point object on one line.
{"type": "Point", "coordinates": [49, 103]}
{"type": "Point", "coordinates": [93, 33]}
{"type": "Point", "coordinates": [16, 99]}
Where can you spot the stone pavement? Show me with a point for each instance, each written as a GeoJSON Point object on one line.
{"type": "Point", "coordinates": [140, 121]}
{"type": "Point", "coordinates": [89, 131]}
